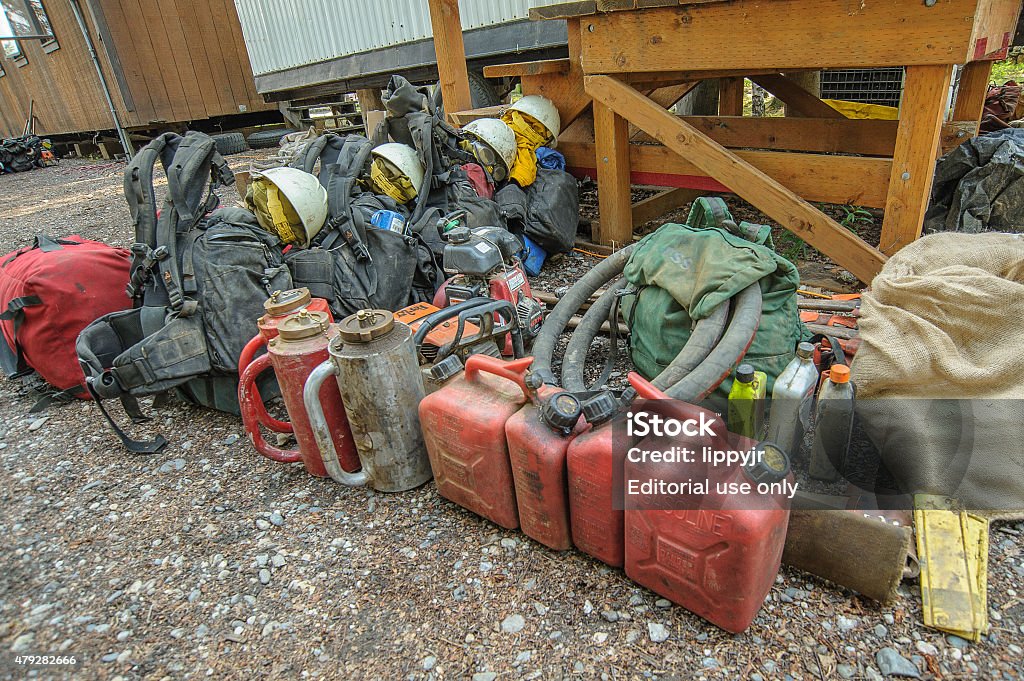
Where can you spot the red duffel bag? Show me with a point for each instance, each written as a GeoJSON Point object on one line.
{"type": "Point", "coordinates": [49, 292]}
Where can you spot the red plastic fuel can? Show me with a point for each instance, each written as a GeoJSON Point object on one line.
{"type": "Point", "coordinates": [464, 431]}
{"type": "Point", "coordinates": [718, 555]}
{"type": "Point", "coordinates": [277, 308]}
{"type": "Point", "coordinates": [300, 346]}
{"type": "Point", "coordinates": [538, 437]}
{"type": "Point", "coordinates": [597, 528]}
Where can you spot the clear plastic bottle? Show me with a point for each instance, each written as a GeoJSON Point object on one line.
{"type": "Point", "coordinates": [746, 402]}
{"type": "Point", "coordinates": [833, 423]}
{"type": "Point", "coordinates": [792, 396]}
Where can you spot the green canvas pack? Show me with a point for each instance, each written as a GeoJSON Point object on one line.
{"type": "Point", "coordinates": [681, 273]}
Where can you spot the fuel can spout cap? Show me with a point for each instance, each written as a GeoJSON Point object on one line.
{"type": "Point", "coordinates": [366, 325]}
{"type": "Point", "coordinates": [772, 464]}
{"type": "Point", "coordinates": [303, 324]}
{"type": "Point", "coordinates": [561, 412]}
{"type": "Point", "coordinates": [600, 407]}
{"type": "Point", "coordinates": [745, 373]}
{"type": "Point", "coordinates": [805, 350]}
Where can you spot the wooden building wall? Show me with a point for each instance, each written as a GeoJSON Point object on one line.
{"type": "Point", "coordinates": [166, 61]}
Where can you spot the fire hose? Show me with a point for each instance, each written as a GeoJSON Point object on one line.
{"type": "Point", "coordinates": [717, 344]}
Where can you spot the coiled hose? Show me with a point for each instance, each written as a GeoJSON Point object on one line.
{"type": "Point", "coordinates": [701, 365]}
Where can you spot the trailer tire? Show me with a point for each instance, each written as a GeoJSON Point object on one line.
{"type": "Point", "coordinates": [481, 93]}
{"type": "Point", "coordinates": [264, 139]}
{"type": "Point", "coordinates": [230, 143]}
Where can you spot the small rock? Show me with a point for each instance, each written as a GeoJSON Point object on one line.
{"type": "Point", "coordinates": [540, 608]}
{"type": "Point", "coordinates": [588, 607]}
{"type": "Point", "coordinates": [657, 632]}
{"type": "Point", "coordinates": [123, 635]}
{"type": "Point", "coordinates": [109, 657]}
{"type": "Point", "coordinates": [276, 519]}
{"type": "Point", "coordinates": [262, 524]}
{"type": "Point", "coordinates": [485, 676]}
{"type": "Point", "coordinates": [893, 664]}
{"type": "Point", "coordinates": [262, 559]}
{"type": "Point", "coordinates": [709, 663]}
{"type": "Point", "coordinates": [888, 618]}
{"type": "Point", "coordinates": [264, 576]}
{"type": "Point", "coordinates": [610, 616]}
{"type": "Point", "coordinates": [485, 566]}
{"type": "Point", "coordinates": [871, 675]}
{"type": "Point", "coordinates": [513, 624]}
{"type": "Point", "coordinates": [231, 439]}
{"type": "Point", "coordinates": [846, 671]}
{"type": "Point", "coordinates": [756, 676]}
{"type": "Point", "coordinates": [600, 637]}
{"type": "Point", "coordinates": [663, 603]}
{"type": "Point", "coordinates": [172, 465]}
{"type": "Point", "coordinates": [957, 642]}
{"type": "Point", "coordinates": [23, 643]}
{"type": "Point", "coordinates": [509, 543]}
{"type": "Point", "coordinates": [926, 648]}
{"type": "Point", "coordinates": [428, 662]}
{"type": "Point", "coordinates": [881, 631]}
{"type": "Point", "coordinates": [846, 623]}
{"type": "Point", "coordinates": [277, 561]}
{"type": "Point", "coordinates": [38, 423]}
{"type": "Point", "coordinates": [202, 630]}
{"type": "Point", "coordinates": [522, 658]}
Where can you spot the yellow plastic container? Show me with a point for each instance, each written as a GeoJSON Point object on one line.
{"type": "Point", "coordinates": [746, 402]}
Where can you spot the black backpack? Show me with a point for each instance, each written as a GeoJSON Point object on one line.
{"type": "Point", "coordinates": [198, 279]}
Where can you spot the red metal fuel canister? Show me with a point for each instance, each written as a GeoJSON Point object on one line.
{"type": "Point", "coordinates": [464, 431]}
{"type": "Point", "coordinates": [538, 437]}
{"type": "Point", "coordinates": [277, 308]}
{"type": "Point", "coordinates": [300, 346]}
{"type": "Point", "coordinates": [719, 553]}
{"type": "Point", "coordinates": [597, 528]}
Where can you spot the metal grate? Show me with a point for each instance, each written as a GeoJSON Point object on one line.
{"type": "Point", "coordinates": [870, 86]}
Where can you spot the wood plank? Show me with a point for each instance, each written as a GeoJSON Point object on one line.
{"type": "Point", "coordinates": [798, 101]}
{"type": "Point", "coordinates": [772, 198]}
{"type": "Point", "coordinates": [970, 93]}
{"type": "Point", "coordinates": [913, 168]}
{"type": "Point", "coordinates": [730, 96]}
{"type": "Point", "coordinates": [612, 148]}
{"type": "Point", "coordinates": [564, 90]}
{"type": "Point", "coordinates": [563, 10]}
{"type": "Point", "coordinates": [651, 79]}
{"type": "Point", "coordinates": [218, 52]}
{"type": "Point", "coordinates": [804, 34]}
{"type": "Point", "coordinates": [615, 5]}
{"type": "Point", "coordinates": [451, 55]}
{"type": "Point", "coordinates": [527, 68]}
{"type": "Point", "coordinates": [850, 180]}
{"type": "Point", "coordinates": [460, 118]}
{"type": "Point", "coordinates": [663, 202]}
{"type": "Point", "coordinates": [147, 70]}
{"type": "Point", "coordinates": [665, 97]}
{"type": "Point", "coordinates": [994, 24]}
{"type": "Point", "coordinates": [202, 76]}
{"type": "Point", "coordinates": [956, 133]}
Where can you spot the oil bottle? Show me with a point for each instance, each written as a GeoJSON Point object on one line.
{"type": "Point", "coordinates": [832, 424]}
{"type": "Point", "coordinates": [792, 396]}
{"type": "Point", "coordinates": [746, 402]}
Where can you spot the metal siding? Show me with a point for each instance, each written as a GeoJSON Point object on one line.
{"type": "Point", "coordinates": [283, 34]}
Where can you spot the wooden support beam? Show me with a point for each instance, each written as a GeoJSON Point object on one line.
{"type": "Point", "coordinates": [663, 202]}
{"type": "Point", "coordinates": [527, 68]}
{"type": "Point", "coordinates": [462, 117]}
{"type": "Point", "coordinates": [665, 97]}
{"type": "Point", "coordinates": [851, 180]}
{"type": "Point", "coordinates": [730, 96]}
{"type": "Point", "coordinates": [956, 133]}
{"type": "Point", "coordinates": [451, 54]}
{"type": "Point", "coordinates": [772, 198]}
{"type": "Point", "coordinates": [564, 90]}
{"type": "Point", "coordinates": [804, 34]}
{"type": "Point", "coordinates": [798, 100]}
{"type": "Point", "coordinates": [913, 168]}
{"type": "Point", "coordinates": [611, 132]}
{"type": "Point", "coordinates": [970, 93]}
{"type": "Point", "coordinates": [643, 80]}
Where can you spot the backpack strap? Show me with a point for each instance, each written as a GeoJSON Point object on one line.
{"type": "Point", "coordinates": [138, 192]}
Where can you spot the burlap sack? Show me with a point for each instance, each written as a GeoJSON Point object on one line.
{"type": "Point", "coordinates": [938, 374]}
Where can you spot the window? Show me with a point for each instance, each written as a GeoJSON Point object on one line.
{"type": "Point", "coordinates": [12, 48]}
{"type": "Point", "coordinates": [25, 18]}
{"type": "Point", "coordinates": [48, 44]}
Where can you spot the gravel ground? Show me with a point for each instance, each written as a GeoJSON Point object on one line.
{"type": "Point", "coordinates": [206, 560]}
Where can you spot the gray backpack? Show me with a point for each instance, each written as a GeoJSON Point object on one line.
{"type": "Point", "coordinates": [199, 280]}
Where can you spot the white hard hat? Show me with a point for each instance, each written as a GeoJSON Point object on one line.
{"type": "Point", "coordinates": [542, 109]}
{"type": "Point", "coordinates": [404, 158]}
{"type": "Point", "coordinates": [305, 193]}
{"type": "Point", "coordinates": [497, 136]}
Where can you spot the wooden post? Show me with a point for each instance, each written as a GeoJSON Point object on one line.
{"type": "Point", "coordinates": [730, 97]}
{"type": "Point", "coordinates": [970, 94]}
{"type": "Point", "coordinates": [913, 164]}
{"type": "Point", "coordinates": [451, 55]}
{"type": "Point", "coordinates": [751, 184]}
{"type": "Point", "coordinates": [611, 133]}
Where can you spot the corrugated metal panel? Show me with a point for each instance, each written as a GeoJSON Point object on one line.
{"type": "Point", "coordinates": [282, 34]}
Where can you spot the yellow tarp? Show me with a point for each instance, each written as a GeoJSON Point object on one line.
{"type": "Point", "coordinates": [859, 110]}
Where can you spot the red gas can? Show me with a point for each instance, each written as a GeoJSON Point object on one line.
{"type": "Point", "coordinates": [277, 307]}
{"type": "Point", "coordinates": [464, 431]}
{"type": "Point", "coordinates": [538, 437]}
{"type": "Point", "coordinates": [301, 346]}
{"type": "Point", "coordinates": [597, 529]}
{"type": "Point", "coordinates": [718, 556]}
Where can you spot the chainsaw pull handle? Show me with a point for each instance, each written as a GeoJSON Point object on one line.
{"type": "Point", "coordinates": [514, 370]}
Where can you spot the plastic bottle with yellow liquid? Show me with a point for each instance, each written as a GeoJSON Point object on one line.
{"type": "Point", "coordinates": [746, 402]}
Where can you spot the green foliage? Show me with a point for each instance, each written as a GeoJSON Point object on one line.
{"type": "Point", "coordinates": [1011, 68]}
{"type": "Point", "coordinates": [855, 215]}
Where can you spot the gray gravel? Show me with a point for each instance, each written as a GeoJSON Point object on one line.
{"type": "Point", "coordinates": [208, 561]}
